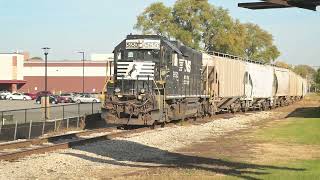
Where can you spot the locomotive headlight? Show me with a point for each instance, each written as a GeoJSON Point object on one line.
{"type": "Point", "coordinates": [117, 90]}
{"type": "Point", "coordinates": [142, 91]}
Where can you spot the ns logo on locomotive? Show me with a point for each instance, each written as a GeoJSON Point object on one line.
{"type": "Point", "coordinates": [157, 81]}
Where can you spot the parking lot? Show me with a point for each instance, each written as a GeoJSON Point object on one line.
{"type": "Point", "coordinates": [26, 111]}
{"type": "Point", "coordinates": [6, 105]}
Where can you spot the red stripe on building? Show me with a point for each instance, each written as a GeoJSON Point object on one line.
{"type": "Point", "coordinates": [66, 65]}
{"type": "Point", "coordinates": [63, 84]}
{"type": "Point", "coordinates": [14, 61]}
{"type": "Point", "coordinates": [12, 82]}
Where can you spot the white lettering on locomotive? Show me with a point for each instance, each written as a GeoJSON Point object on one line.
{"type": "Point", "coordinates": [186, 79]}
{"type": "Point", "coordinates": [143, 44]}
{"type": "Point", "coordinates": [184, 65]}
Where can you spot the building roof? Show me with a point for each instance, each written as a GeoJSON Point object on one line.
{"type": "Point", "coordinates": [12, 82]}
{"type": "Point", "coordinates": [67, 62]}
{"type": "Point", "coordinates": [270, 4]}
{"type": "Point", "coordinates": [11, 53]}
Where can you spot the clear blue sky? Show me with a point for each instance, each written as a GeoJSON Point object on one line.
{"type": "Point", "coordinates": [96, 26]}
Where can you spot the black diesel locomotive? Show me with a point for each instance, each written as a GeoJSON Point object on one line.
{"type": "Point", "coordinates": [155, 81]}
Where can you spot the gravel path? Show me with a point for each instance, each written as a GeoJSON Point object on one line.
{"type": "Point", "coordinates": [136, 152]}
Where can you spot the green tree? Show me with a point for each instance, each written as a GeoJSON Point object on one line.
{"type": "Point", "coordinates": [317, 77]}
{"type": "Point", "coordinates": [316, 83]}
{"type": "Point", "coordinates": [305, 71]}
{"type": "Point", "coordinates": [202, 26]}
{"type": "Point", "coordinates": [223, 34]}
{"type": "Point", "coordinates": [190, 17]}
{"type": "Point", "coordinates": [156, 19]}
{"type": "Point", "coordinates": [259, 44]}
{"type": "Point", "coordinates": [283, 64]}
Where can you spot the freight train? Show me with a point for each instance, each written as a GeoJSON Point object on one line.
{"type": "Point", "coordinates": [157, 80]}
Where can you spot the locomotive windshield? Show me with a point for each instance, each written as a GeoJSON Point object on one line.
{"type": "Point", "coordinates": [144, 55]}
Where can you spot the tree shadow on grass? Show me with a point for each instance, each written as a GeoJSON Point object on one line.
{"type": "Point", "coordinates": [132, 154]}
{"type": "Point", "coordinates": [306, 112]}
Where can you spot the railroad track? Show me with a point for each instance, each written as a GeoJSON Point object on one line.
{"type": "Point", "coordinates": [16, 150]}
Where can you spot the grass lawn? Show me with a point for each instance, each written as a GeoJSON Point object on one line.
{"type": "Point", "coordinates": [294, 130]}
{"type": "Point", "coordinates": [302, 127]}
{"type": "Point", "coordinates": [309, 169]}
{"type": "Point", "coordinates": [313, 96]}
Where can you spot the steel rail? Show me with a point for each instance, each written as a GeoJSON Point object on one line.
{"type": "Point", "coordinates": [39, 141]}
{"type": "Point", "coordinates": [12, 156]}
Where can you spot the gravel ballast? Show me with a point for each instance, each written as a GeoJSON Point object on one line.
{"type": "Point", "coordinates": [137, 151]}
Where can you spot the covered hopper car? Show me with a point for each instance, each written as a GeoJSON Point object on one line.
{"type": "Point", "coordinates": [157, 81]}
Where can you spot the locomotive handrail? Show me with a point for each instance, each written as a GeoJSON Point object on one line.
{"type": "Point", "coordinates": [219, 54]}
{"type": "Point", "coordinates": [128, 102]}
{"type": "Point", "coordinates": [157, 88]}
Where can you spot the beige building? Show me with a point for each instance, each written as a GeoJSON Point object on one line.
{"type": "Point", "coordinates": [11, 71]}
{"type": "Point", "coordinates": [19, 73]}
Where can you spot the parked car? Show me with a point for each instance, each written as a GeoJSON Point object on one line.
{"type": "Point", "coordinates": [61, 99]}
{"type": "Point", "coordinates": [33, 96]}
{"type": "Point", "coordinates": [97, 95]}
{"type": "Point", "coordinates": [4, 94]}
{"type": "Point", "coordinates": [52, 99]}
{"type": "Point", "coordinates": [86, 98]}
{"type": "Point", "coordinates": [43, 93]}
{"type": "Point", "coordinates": [69, 96]}
{"type": "Point", "coordinates": [18, 96]}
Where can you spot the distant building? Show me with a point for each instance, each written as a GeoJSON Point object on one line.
{"type": "Point", "coordinates": [19, 73]}
{"type": "Point", "coordinates": [11, 71]}
{"type": "Point", "coordinates": [102, 57]}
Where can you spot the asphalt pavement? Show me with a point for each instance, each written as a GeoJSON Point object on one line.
{"type": "Point", "coordinates": [26, 111]}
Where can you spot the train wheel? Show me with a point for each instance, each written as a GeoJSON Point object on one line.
{"type": "Point", "coordinates": [154, 125]}
{"type": "Point", "coordinates": [195, 118]}
{"type": "Point", "coordinates": [123, 127]}
{"type": "Point", "coordinates": [212, 110]}
{"type": "Point", "coordinates": [260, 107]}
{"type": "Point", "coordinates": [245, 109]}
{"type": "Point", "coordinates": [157, 125]}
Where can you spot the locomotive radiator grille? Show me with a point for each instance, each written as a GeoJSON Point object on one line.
{"type": "Point", "coordinates": [134, 70]}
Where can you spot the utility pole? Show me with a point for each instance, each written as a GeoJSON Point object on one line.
{"type": "Point", "coordinates": [46, 52]}
{"type": "Point", "coordinates": [82, 52]}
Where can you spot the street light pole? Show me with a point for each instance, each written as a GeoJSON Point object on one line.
{"type": "Point", "coordinates": [46, 52]}
{"type": "Point", "coordinates": [82, 70]}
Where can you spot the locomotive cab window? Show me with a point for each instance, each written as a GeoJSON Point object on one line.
{"type": "Point", "coordinates": [175, 59]}
{"type": "Point", "coordinates": [143, 55]}
{"type": "Point", "coordinates": [119, 55]}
